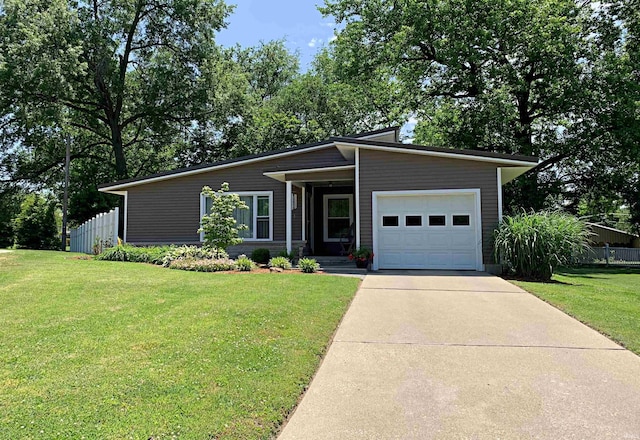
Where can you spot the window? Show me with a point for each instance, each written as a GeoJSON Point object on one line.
{"type": "Point", "coordinates": [258, 218]}
{"type": "Point", "coordinates": [390, 220]}
{"type": "Point", "coordinates": [413, 220]}
{"type": "Point", "coordinates": [338, 216]}
{"type": "Point", "coordinates": [437, 220]}
{"type": "Point", "coordinates": [461, 220]}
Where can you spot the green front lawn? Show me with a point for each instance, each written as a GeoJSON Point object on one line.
{"type": "Point", "coordinates": [607, 299]}
{"type": "Point", "coordinates": [109, 350]}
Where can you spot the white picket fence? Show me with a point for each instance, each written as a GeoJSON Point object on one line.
{"type": "Point", "coordinates": [612, 256]}
{"type": "Point", "coordinates": [96, 234]}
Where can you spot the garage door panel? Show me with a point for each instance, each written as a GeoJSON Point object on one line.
{"type": "Point", "coordinates": [438, 240]}
{"type": "Point", "coordinates": [462, 239]}
{"type": "Point", "coordinates": [421, 246]}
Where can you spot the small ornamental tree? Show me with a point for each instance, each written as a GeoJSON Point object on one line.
{"type": "Point", "coordinates": [219, 226]}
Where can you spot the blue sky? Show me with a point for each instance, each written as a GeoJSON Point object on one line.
{"type": "Point", "coordinates": [297, 21]}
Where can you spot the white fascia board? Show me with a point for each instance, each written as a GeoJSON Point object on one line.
{"type": "Point", "coordinates": [344, 148]}
{"type": "Point", "coordinates": [280, 175]}
{"type": "Point", "coordinates": [114, 188]}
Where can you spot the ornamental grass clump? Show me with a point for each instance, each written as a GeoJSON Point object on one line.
{"type": "Point", "coordinates": [281, 262]}
{"type": "Point", "coordinates": [126, 252]}
{"type": "Point", "coordinates": [533, 245]}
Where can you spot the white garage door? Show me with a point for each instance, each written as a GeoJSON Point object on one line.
{"type": "Point", "coordinates": [427, 231]}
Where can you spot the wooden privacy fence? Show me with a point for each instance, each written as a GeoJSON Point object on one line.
{"type": "Point", "coordinates": [96, 234]}
{"type": "Point", "coordinates": [612, 256]}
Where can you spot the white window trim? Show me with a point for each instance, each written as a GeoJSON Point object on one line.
{"type": "Point", "coordinates": [255, 195]}
{"type": "Point", "coordinates": [438, 214]}
{"type": "Point", "coordinates": [325, 214]}
{"type": "Point", "coordinates": [422, 225]}
{"type": "Point", "coordinates": [391, 215]}
{"type": "Point", "coordinates": [468, 214]}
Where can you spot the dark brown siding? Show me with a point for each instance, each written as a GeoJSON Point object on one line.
{"type": "Point", "coordinates": [168, 211]}
{"type": "Point", "coordinates": [386, 171]}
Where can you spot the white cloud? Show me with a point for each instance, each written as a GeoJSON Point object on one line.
{"type": "Point", "coordinates": [327, 24]}
{"type": "Point", "coordinates": [332, 38]}
{"type": "Point", "coordinates": [314, 42]}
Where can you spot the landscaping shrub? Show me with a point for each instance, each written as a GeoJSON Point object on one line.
{"type": "Point", "coordinates": [261, 255]}
{"type": "Point", "coordinates": [308, 265]}
{"type": "Point", "coordinates": [281, 262]}
{"type": "Point", "coordinates": [127, 252]}
{"type": "Point", "coordinates": [203, 265]}
{"type": "Point", "coordinates": [533, 245]}
{"type": "Point", "coordinates": [291, 256]}
{"type": "Point", "coordinates": [244, 264]}
{"type": "Point", "coordinates": [193, 252]}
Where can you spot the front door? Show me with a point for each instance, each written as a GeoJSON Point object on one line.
{"type": "Point", "coordinates": [335, 215]}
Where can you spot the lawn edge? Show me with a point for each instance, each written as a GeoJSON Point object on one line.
{"type": "Point", "coordinates": [566, 312]}
{"type": "Point", "coordinates": [323, 356]}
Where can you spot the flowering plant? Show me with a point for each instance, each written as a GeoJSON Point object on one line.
{"type": "Point", "coordinates": [362, 254]}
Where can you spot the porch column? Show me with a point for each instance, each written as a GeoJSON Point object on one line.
{"type": "Point", "coordinates": [288, 217]}
{"type": "Point", "coordinates": [304, 213]}
{"type": "Point", "coordinates": [357, 194]}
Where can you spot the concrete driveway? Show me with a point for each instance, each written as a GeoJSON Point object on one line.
{"type": "Point", "coordinates": [463, 355]}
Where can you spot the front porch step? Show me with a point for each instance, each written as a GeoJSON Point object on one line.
{"type": "Point", "coordinates": [338, 265]}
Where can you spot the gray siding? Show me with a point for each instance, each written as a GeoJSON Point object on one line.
{"type": "Point", "coordinates": [386, 171]}
{"type": "Point", "coordinates": [168, 211]}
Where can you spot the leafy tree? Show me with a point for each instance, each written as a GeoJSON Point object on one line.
{"type": "Point", "coordinates": [552, 78]}
{"type": "Point", "coordinates": [219, 226]}
{"type": "Point", "coordinates": [126, 76]}
{"type": "Point", "coordinates": [35, 226]}
{"type": "Point", "coordinates": [10, 200]}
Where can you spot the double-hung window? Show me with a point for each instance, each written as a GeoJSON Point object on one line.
{"type": "Point", "coordinates": [258, 218]}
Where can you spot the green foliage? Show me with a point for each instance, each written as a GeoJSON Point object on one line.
{"type": "Point", "coordinates": [245, 264]}
{"type": "Point", "coordinates": [203, 265]}
{"type": "Point", "coordinates": [192, 252]}
{"type": "Point", "coordinates": [127, 252]}
{"type": "Point", "coordinates": [308, 265]}
{"type": "Point", "coordinates": [201, 339]}
{"type": "Point", "coordinates": [533, 245]}
{"type": "Point", "coordinates": [556, 79]}
{"type": "Point", "coordinates": [10, 201]}
{"type": "Point", "coordinates": [362, 253]}
{"type": "Point", "coordinates": [291, 256]}
{"type": "Point", "coordinates": [35, 226]}
{"type": "Point", "coordinates": [281, 262]}
{"type": "Point", "coordinates": [261, 255]}
{"type": "Point", "coordinates": [219, 226]}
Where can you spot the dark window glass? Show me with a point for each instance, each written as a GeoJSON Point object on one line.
{"type": "Point", "coordinates": [390, 220]}
{"type": "Point", "coordinates": [460, 220]}
{"type": "Point", "coordinates": [337, 227]}
{"type": "Point", "coordinates": [413, 220]}
{"type": "Point", "coordinates": [437, 220]}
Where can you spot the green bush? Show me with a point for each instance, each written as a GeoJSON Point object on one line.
{"type": "Point", "coordinates": [533, 245]}
{"type": "Point", "coordinates": [261, 255]}
{"type": "Point", "coordinates": [193, 252]}
{"type": "Point", "coordinates": [127, 252]}
{"type": "Point", "coordinates": [219, 225]}
{"type": "Point", "coordinates": [308, 265]}
{"type": "Point", "coordinates": [291, 256]}
{"type": "Point", "coordinates": [281, 262]}
{"type": "Point", "coordinates": [35, 227]}
{"type": "Point", "coordinates": [203, 265]}
{"type": "Point", "coordinates": [244, 264]}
